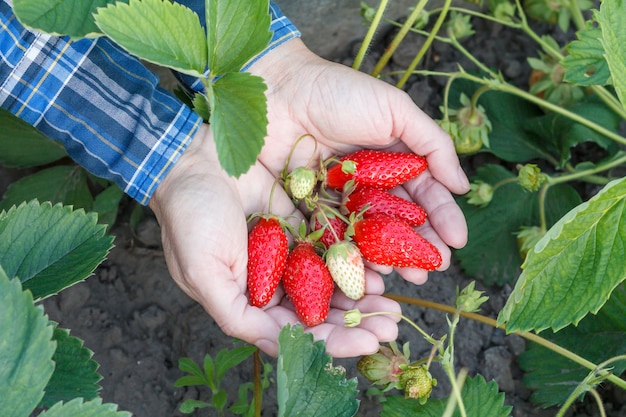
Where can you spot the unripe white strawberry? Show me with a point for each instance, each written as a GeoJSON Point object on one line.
{"type": "Point", "coordinates": [301, 182]}
{"type": "Point", "coordinates": [345, 263]}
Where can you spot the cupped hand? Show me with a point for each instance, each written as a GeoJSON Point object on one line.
{"type": "Point", "coordinates": [202, 213]}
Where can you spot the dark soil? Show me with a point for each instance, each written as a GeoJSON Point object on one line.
{"type": "Point", "coordinates": [138, 323]}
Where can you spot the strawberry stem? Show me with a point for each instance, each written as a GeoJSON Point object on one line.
{"type": "Point", "coordinates": [526, 335]}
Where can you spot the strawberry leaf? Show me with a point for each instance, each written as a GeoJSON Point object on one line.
{"type": "Point", "coordinates": [75, 372]}
{"type": "Point", "coordinates": [66, 184]}
{"type": "Point", "coordinates": [23, 146]}
{"type": "Point", "coordinates": [238, 120]}
{"type": "Point", "coordinates": [78, 408]}
{"type": "Point", "coordinates": [491, 254]}
{"type": "Point", "coordinates": [580, 258]}
{"type": "Point", "coordinates": [69, 17]}
{"type": "Point", "coordinates": [585, 63]}
{"type": "Point", "coordinates": [481, 399]}
{"type": "Point", "coordinates": [564, 133]}
{"type": "Point", "coordinates": [308, 384]}
{"type": "Point", "coordinates": [612, 20]}
{"type": "Point", "coordinates": [553, 377]}
{"type": "Point", "coordinates": [26, 349]}
{"type": "Point", "coordinates": [237, 30]}
{"type": "Point", "coordinates": [50, 247]}
{"type": "Point", "coordinates": [162, 32]}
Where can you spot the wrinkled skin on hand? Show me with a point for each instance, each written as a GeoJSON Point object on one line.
{"type": "Point", "coordinates": [202, 211]}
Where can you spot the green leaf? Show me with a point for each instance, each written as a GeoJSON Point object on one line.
{"type": "Point", "coordinates": [78, 408]}
{"type": "Point", "coordinates": [50, 247]}
{"type": "Point", "coordinates": [23, 146]}
{"type": "Point", "coordinates": [229, 358]}
{"type": "Point", "coordinates": [64, 184]}
{"type": "Point", "coordinates": [237, 30]}
{"type": "Point", "coordinates": [162, 32]}
{"type": "Point", "coordinates": [491, 254]}
{"type": "Point", "coordinates": [553, 377]}
{"type": "Point", "coordinates": [308, 384]}
{"type": "Point", "coordinates": [201, 106]}
{"type": "Point", "coordinates": [196, 375]}
{"type": "Point", "coordinates": [585, 63]}
{"type": "Point", "coordinates": [238, 120]}
{"type": "Point", "coordinates": [481, 399]}
{"type": "Point", "coordinates": [219, 399]}
{"type": "Point", "coordinates": [565, 133]}
{"type": "Point", "coordinates": [612, 20]}
{"type": "Point", "coordinates": [209, 372]}
{"type": "Point", "coordinates": [189, 406]}
{"type": "Point", "coordinates": [75, 373]}
{"type": "Point", "coordinates": [26, 349]}
{"type": "Point", "coordinates": [107, 203]}
{"type": "Point", "coordinates": [60, 17]}
{"type": "Point", "coordinates": [574, 267]}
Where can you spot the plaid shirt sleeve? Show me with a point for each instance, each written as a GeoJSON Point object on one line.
{"type": "Point", "coordinates": [102, 104]}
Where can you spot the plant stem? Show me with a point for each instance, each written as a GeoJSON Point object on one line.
{"type": "Point", "coordinates": [526, 335]}
{"type": "Point", "coordinates": [428, 337]}
{"type": "Point", "coordinates": [258, 391]}
{"type": "Point", "coordinates": [452, 401]}
{"type": "Point", "coordinates": [542, 207]}
{"type": "Point", "coordinates": [577, 15]}
{"type": "Point", "coordinates": [448, 365]}
{"type": "Point", "coordinates": [587, 172]}
{"type": "Point", "coordinates": [427, 42]}
{"type": "Point", "coordinates": [358, 61]}
{"type": "Point", "coordinates": [382, 62]}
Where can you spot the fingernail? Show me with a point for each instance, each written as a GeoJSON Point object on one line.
{"type": "Point", "coordinates": [463, 180]}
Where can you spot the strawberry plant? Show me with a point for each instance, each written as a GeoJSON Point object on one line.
{"type": "Point", "coordinates": [43, 367]}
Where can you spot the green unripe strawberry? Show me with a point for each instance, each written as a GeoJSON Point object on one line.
{"type": "Point", "coordinates": [417, 383]}
{"type": "Point", "coordinates": [345, 263]}
{"type": "Point", "coordinates": [301, 182]}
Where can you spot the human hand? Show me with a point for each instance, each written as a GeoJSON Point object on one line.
{"type": "Point", "coordinates": [202, 212]}
{"type": "Point", "coordinates": [345, 110]}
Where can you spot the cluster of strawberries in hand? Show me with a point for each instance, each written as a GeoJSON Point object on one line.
{"type": "Point", "coordinates": [352, 217]}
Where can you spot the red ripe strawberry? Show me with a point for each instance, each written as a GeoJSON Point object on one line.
{"type": "Point", "coordinates": [334, 223]}
{"type": "Point", "coordinates": [385, 240]}
{"type": "Point", "coordinates": [381, 201]}
{"type": "Point", "coordinates": [267, 256]}
{"type": "Point", "coordinates": [308, 284]}
{"type": "Point", "coordinates": [379, 169]}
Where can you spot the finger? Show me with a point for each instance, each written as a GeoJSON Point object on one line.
{"type": "Point", "coordinates": [444, 214]}
{"type": "Point", "coordinates": [424, 137]}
